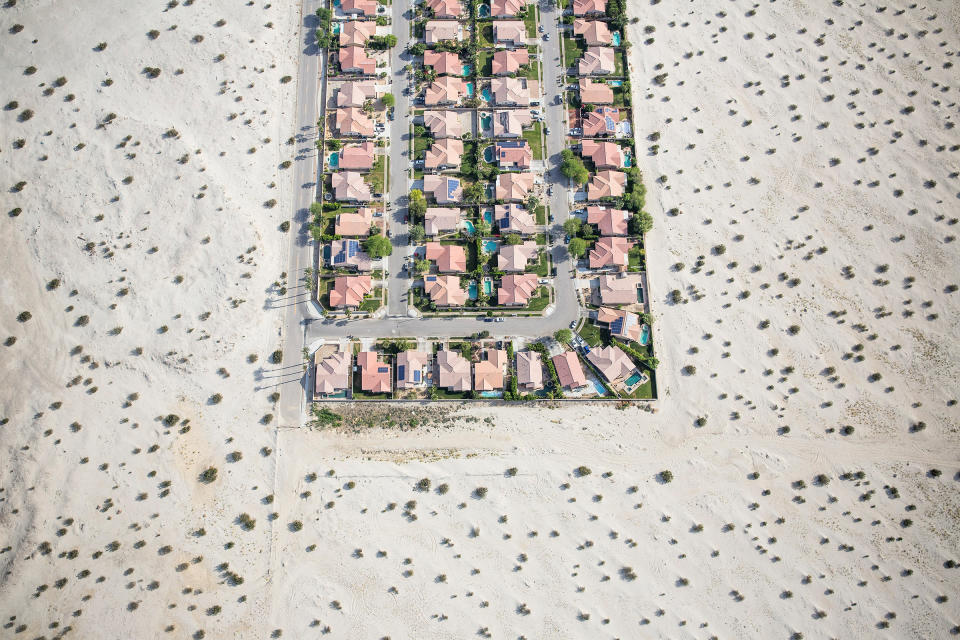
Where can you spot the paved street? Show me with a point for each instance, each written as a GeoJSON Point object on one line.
{"type": "Point", "coordinates": [296, 303]}
{"type": "Point", "coordinates": [399, 131]}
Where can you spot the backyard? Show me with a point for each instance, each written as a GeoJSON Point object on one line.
{"type": "Point", "coordinates": [573, 51]}
{"type": "Point", "coordinates": [379, 178]}
{"type": "Point", "coordinates": [535, 140]}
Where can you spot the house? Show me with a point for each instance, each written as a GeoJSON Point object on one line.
{"type": "Point", "coordinates": [375, 374]}
{"type": "Point", "coordinates": [622, 324]}
{"type": "Point", "coordinates": [450, 9]}
{"type": "Point", "coordinates": [354, 224]}
{"type": "Point", "coordinates": [517, 289]}
{"type": "Point", "coordinates": [356, 60]}
{"type": "Point", "coordinates": [514, 218]}
{"type": "Point", "coordinates": [352, 121]}
{"type": "Point", "coordinates": [597, 61]}
{"type": "Point", "coordinates": [614, 365]}
{"type": "Point", "coordinates": [331, 373]}
{"type": "Point", "coordinates": [348, 291]}
{"type": "Point", "coordinates": [348, 253]}
{"type": "Point", "coordinates": [445, 153]}
{"type": "Point", "coordinates": [513, 186]}
{"type": "Point", "coordinates": [444, 189]}
{"type": "Point", "coordinates": [444, 90]}
{"type": "Point", "coordinates": [592, 92]}
{"type": "Point", "coordinates": [506, 61]}
{"type": "Point", "coordinates": [506, 8]}
{"type": "Point", "coordinates": [349, 186]}
{"type": "Point", "coordinates": [440, 219]}
{"type": "Point", "coordinates": [514, 92]}
{"type": "Point", "coordinates": [622, 288]}
{"type": "Point", "coordinates": [453, 371]}
{"type": "Point", "coordinates": [357, 157]}
{"type": "Point", "coordinates": [359, 7]}
{"type": "Point", "coordinates": [444, 291]}
{"type": "Point", "coordinates": [610, 252]}
{"type": "Point", "coordinates": [356, 93]}
{"type": "Point", "coordinates": [488, 374]}
{"type": "Point", "coordinates": [510, 123]}
{"type": "Point", "coordinates": [607, 184]}
{"type": "Point", "coordinates": [443, 62]}
{"type": "Point", "coordinates": [594, 32]}
{"type": "Point", "coordinates": [512, 33]}
{"type": "Point", "coordinates": [355, 33]}
{"type": "Point", "coordinates": [439, 30]}
{"type": "Point", "coordinates": [569, 370]}
{"type": "Point", "coordinates": [514, 257]}
{"type": "Point", "coordinates": [411, 369]}
{"type": "Point", "coordinates": [605, 155]}
{"type": "Point", "coordinates": [589, 7]}
{"type": "Point", "coordinates": [450, 258]}
{"type": "Point", "coordinates": [529, 371]}
{"type": "Point", "coordinates": [443, 124]}
{"type": "Point", "coordinates": [610, 222]}
{"type": "Point", "coordinates": [514, 155]}
{"type": "Point", "coordinates": [602, 121]}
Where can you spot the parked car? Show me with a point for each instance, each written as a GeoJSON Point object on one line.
{"type": "Point", "coordinates": [573, 324]}
{"type": "Point", "coordinates": [546, 36]}
{"type": "Point", "coordinates": [499, 319]}
{"type": "Point", "coordinates": [546, 129]}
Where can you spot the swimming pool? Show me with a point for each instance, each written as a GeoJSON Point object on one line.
{"type": "Point", "coordinates": [488, 286]}
{"type": "Point", "coordinates": [491, 394]}
{"type": "Point", "coordinates": [470, 89]}
{"type": "Point", "coordinates": [483, 11]}
{"type": "Point", "coordinates": [645, 335]}
{"type": "Point", "coordinates": [627, 159]}
{"type": "Point", "coordinates": [334, 161]}
{"type": "Point", "coordinates": [467, 68]}
{"type": "Point", "coordinates": [486, 121]}
{"type": "Point", "coordinates": [336, 28]}
{"type": "Point", "coordinates": [490, 192]}
{"type": "Point", "coordinates": [615, 83]}
{"type": "Point", "coordinates": [486, 94]}
{"type": "Point", "coordinates": [616, 38]}
{"type": "Point", "coordinates": [634, 379]}
{"type": "Point", "coordinates": [488, 154]}
{"type": "Point", "coordinates": [469, 226]}
{"type": "Point", "coordinates": [490, 246]}
{"type": "Point", "coordinates": [472, 290]}
{"type": "Point", "coordinates": [599, 387]}
{"type": "Point", "coordinates": [488, 216]}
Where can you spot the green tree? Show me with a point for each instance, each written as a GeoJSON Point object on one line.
{"type": "Point", "coordinates": [378, 246]}
{"type": "Point", "coordinates": [420, 267]}
{"type": "Point", "coordinates": [481, 227]}
{"type": "Point", "coordinates": [473, 193]}
{"type": "Point", "coordinates": [418, 203]}
{"type": "Point", "coordinates": [513, 238]}
{"type": "Point", "coordinates": [641, 223]}
{"type": "Point", "coordinates": [388, 100]}
{"type": "Point", "coordinates": [417, 49]}
{"type": "Point", "coordinates": [417, 234]}
{"type": "Point", "coordinates": [563, 336]}
{"type": "Point", "coordinates": [578, 247]}
{"type": "Point", "coordinates": [572, 226]}
{"type": "Point", "coordinates": [572, 167]}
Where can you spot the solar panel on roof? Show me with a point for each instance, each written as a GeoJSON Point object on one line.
{"type": "Point", "coordinates": [610, 124]}
{"type": "Point", "coordinates": [401, 370]}
{"type": "Point", "coordinates": [431, 278]}
{"type": "Point", "coordinates": [383, 369]}
{"type": "Point", "coordinates": [617, 326]}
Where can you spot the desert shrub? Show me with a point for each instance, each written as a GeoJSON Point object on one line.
{"type": "Point", "coordinates": [666, 476]}
{"type": "Point", "coordinates": [296, 525]}
{"type": "Point", "coordinates": [480, 492]}
{"type": "Point", "coordinates": [24, 316]}
{"type": "Point", "coordinates": [208, 475]}
{"type": "Point", "coordinates": [582, 471]}
{"type": "Point", "coordinates": [423, 484]}
{"type": "Point", "coordinates": [276, 357]}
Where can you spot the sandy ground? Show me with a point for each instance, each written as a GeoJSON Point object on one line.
{"type": "Point", "coordinates": [545, 552]}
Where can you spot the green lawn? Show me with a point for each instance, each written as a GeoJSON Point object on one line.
{"type": "Point", "coordinates": [420, 146]}
{"type": "Point", "coordinates": [620, 97]}
{"type": "Point", "coordinates": [541, 239]}
{"type": "Point", "coordinates": [593, 335]}
{"type": "Point", "coordinates": [541, 213]}
{"type": "Point", "coordinates": [378, 179]}
{"type": "Point", "coordinates": [531, 21]}
{"type": "Point", "coordinates": [532, 136]}
{"type": "Point", "coordinates": [573, 51]}
{"type": "Point", "coordinates": [620, 59]}
{"type": "Point", "coordinates": [485, 37]}
{"type": "Point", "coordinates": [323, 291]}
{"type": "Point", "coordinates": [542, 268]}
{"type": "Point", "coordinates": [373, 302]}
{"type": "Point", "coordinates": [635, 257]}
{"type": "Point", "coordinates": [541, 301]}
{"type": "Point", "coordinates": [485, 63]}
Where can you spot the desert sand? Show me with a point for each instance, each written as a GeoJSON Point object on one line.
{"type": "Point", "coordinates": [804, 187]}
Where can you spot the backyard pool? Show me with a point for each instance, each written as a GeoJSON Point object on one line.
{"type": "Point", "coordinates": [490, 246]}
{"type": "Point", "coordinates": [615, 83]}
{"type": "Point", "coordinates": [634, 379]}
{"type": "Point", "coordinates": [472, 290]}
{"type": "Point", "coordinates": [627, 159]}
{"type": "Point", "coordinates": [488, 286]}
{"type": "Point", "coordinates": [483, 11]}
{"type": "Point", "coordinates": [616, 38]}
{"type": "Point", "coordinates": [486, 121]}
{"type": "Point", "coordinates": [469, 226]}
{"type": "Point", "coordinates": [645, 335]}
{"type": "Point", "coordinates": [486, 94]}
{"type": "Point", "coordinates": [488, 154]}
{"type": "Point", "coordinates": [599, 387]}
{"type": "Point", "coordinates": [334, 161]}
{"type": "Point", "coordinates": [467, 68]}
{"type": "Point", "coordinates": [488, 216]}
{"type": "Point", "coordinates": [470, 89]}
{"type": "Point", "coordinates": [491, 394]}
{"type": "Point", "coordinates": [336, 28]}
{"type": "Point", "coordinates": [490, 192]}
